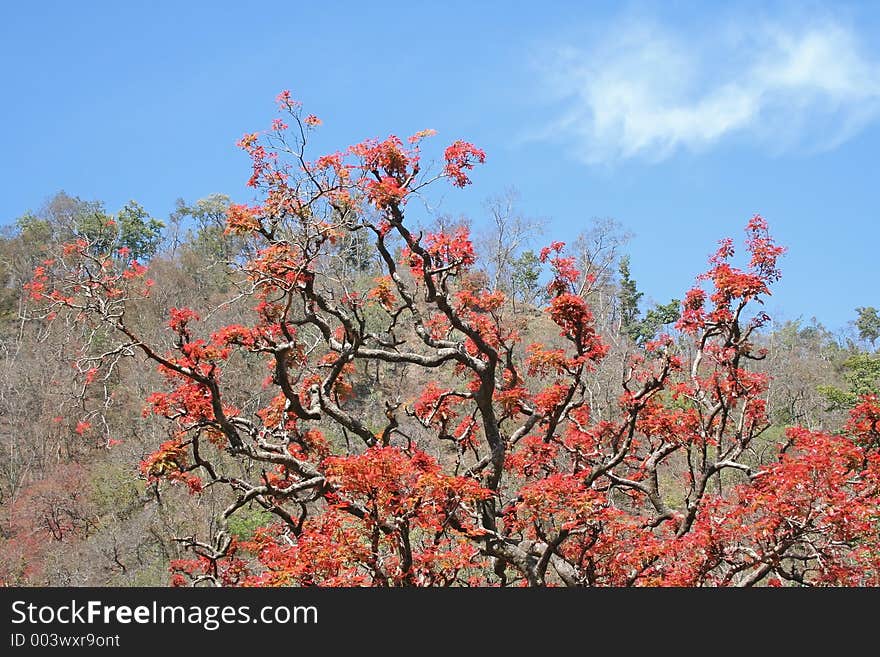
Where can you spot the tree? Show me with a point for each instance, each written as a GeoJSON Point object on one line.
{"type": "Point", "coordinates": [862, 374]}
{"type": "Point", "coordinates": [805, 361]}
{"type": "Point", "coordinates": [209, 218]}
{"type": "Point", "coordinates": [132, 230]}
{"type": "Point", "coordinates": [597, 250]}
{"type": "Point", "coordinates": [629, 298]}
{"type": "Point", "coordinates": [860, 369]}
{"type": "Point", "coordinates": [525, 276]}
{"type": "Point", "coordinates": [495, 471]}
{"type": "Point", "coordinates": [200, 245]}
{"type": "Point", "coordinates": [641, 329]}
{"type": "Point", "coordinates": [138, 232]}
{"type": "Point", "coordinates": [503, 245]}
{"type": "Point", "coordinates": [868, 324]}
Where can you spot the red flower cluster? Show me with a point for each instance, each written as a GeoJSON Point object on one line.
{"type": "Point", "coordinates": [460, 157]}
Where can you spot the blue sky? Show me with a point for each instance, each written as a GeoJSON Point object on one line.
{"type": "Point", "coordinates": [680, 120]}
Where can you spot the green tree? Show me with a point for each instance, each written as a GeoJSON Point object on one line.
{"type": "Point", "coordinates": [862, 377]}
{"type": "Point", "coordinates": [138, 231]}
{"type": "Point", "coordinates": [93, 224]}
{"type": "Point", "coordinates": [66, 217]}
{"type": "Point", "coordinates": [868, 324]}
{"type": "Point", "coordinates": [641, 329]}
{"type": "Point", "coordinates": [203, 224]}
{"type": "Point", "coordinates": [655, 319]}
{"type": "Point", "coordinates": [524, 277]}
{"type": "Point", "coordinates": [629, 298]}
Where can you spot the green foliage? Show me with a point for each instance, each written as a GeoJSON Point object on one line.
{"type": "Point", "coordinates": [863, 378]}
{"type": "Point", "coordinates": [641, 329]}
{"type": "Point", "coordinates": [814, 338]}
{"type": "Point", "coordinates": [525, 275]}
{"type": "Point", "coordinates": [655, 319]}
{"type": "Point", "coordinates": [200, 244]}
{"type": "Point", "coordinates": [96, 226]}
{"type": "Point", "coordinates": [208, 217]}
{"type": "Point", "coordinates": [8, 293]}
{"type": "Point", "coordinates": [35, 235]}
{"type": "Point", "coordinates": [246, 521]}
{"type": "Point", "coordinates": [868, 324]}
{"type": "Point", "coordinates": [115, 490]}
{"type": "Point", "coordinates": [138, 231]}
{"type": "Point", "coordinates": [34, 229]}
{"type": "Point", "coordinates": [629, 298]}
{"type": "Point", "coordinates": [210, 209]}
{"type": "Point", "coordinates": [68, 217]}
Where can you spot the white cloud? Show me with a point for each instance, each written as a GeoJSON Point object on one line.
{"type": "Point", "coordinates": [644, 91]}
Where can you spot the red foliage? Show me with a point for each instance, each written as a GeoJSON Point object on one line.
{"type": "Point", "coordinates": [543, 485]}
{"type": "Point", "coordinates": [45, 513]}
{"type": "Point", "coordinates": [864, 422]}
{"type": "Point", "coordinates": [460, 157]}
{"type": "Point", "coordinates": [241, 219]}
{"type": "Point", "coordinates": [447, 250]}
{"type": "Point", "coordinates": [180, 317]}
{"type": "Point", "coordinates": [171, 462]}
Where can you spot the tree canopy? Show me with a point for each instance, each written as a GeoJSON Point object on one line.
{"type": "Point", "coordinates": [384, 412]}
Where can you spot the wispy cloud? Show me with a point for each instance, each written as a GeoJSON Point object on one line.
{"type": "Point", "coordinates": [647, 91]}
